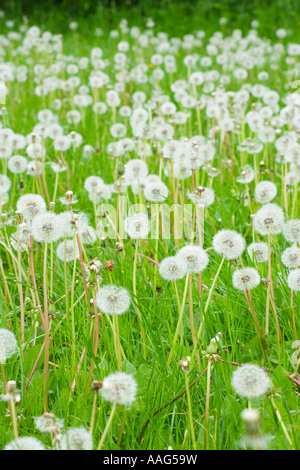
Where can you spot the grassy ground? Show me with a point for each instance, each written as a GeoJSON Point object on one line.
{"type": "Point", "coordinates": [71, 339]}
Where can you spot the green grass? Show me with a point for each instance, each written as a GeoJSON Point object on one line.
{"type": "Point", "coordinates": [228, 313]}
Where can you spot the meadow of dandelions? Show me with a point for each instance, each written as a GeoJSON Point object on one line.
{"type": "Point", "coordinates": [149, 238]}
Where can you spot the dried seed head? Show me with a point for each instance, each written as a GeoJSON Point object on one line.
{"type": "Point", "coordinates": [109, 265]}
{"type": "Point", "coordinates": [96, 385]}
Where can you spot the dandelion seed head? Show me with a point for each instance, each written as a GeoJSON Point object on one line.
{"type": "Point", "coordinates": [247, 175]}
{"type": "Point", "coordinates": [291, 231]}
{"type": "Point", "coordinates": [229, 244]}
{"type": "Point", "coordinates": [76, 439]}
{"type": "Point", "coordinates": [265, 192]}
{"type": "Point", "coordinates": [204, 197]}
{"type": "Point", "coordinates": [173, 268]}
{"type": "Point", "coordinates": [250, 415]}
{"type": "Point", "coordinates": [255, 442]}
{"type": "Point", "coordinates": [258, 251]}
{"type": "Point", "coordinates": [119, 388]}
{"type": "Point", "coordinates": [25, 443]}
{"type": "Point", "coordinates": [30, 205]}
{"type": "Point", "coordinates": [291, 257]}
{"type": "Point", "coordinates": [113, 300]}
{"type": "Point", "coordinates": [92, 183]}
{"type": "Point", "coordinates": [67, 251]}
{"type": "Point", "coordinates": [196, 258]}
{"type": "Point", "coordinates": [71, 223]}
{"type": "Point", "coordinates": [245, 279]}
{"type": "Point", "coordinates": [293, 280]}
{"type": "Point", "coordinates": [156, 191]}
{"type": "Point", "coordinates": [250, 381]}
{"type": "Point", "coordinates": [8, 345]}
{"type": "Point", "coordinates": [17, 164]}
{"type": "Point", "coordinates": [47, 421]}
{"type": "Point", "coordinates": [135, 170]}
{"type": "Point", "coordinates": [5, 184]}
{"type": "Point", "coordinates": [137, 226]}
{"type": "Point", "coordinates": [269, 219]}
{"type": "Point", "coordinates": [46, 227]}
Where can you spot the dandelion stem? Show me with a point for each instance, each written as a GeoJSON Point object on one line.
{"type": "Point", "coordinates": [213, 285]}
{"type": "Point", "coordinates": [121, 427]}
{"type": "Point", "coordinates": [46, 328]}
{"type": "Point", "coordinates": [190, 412]}
{"type": "Point", "coordinates": [207, 402]}
{"type": "Point", "coordinates": [93, 411]}
{"type": "Point", "coordinates": [135, 295]}
{"type": "Point", "coordinates": [14, 417]}
{"type": "Point", "coordinates": [282, 425]}
{"type": "Point", "coordinates": [140, 437]}
{"type": "Point", "coordinates": [179, 319]}
{"type": "Point", "coordinates": [257, 325]}
{"type": "Point", "coordinates": [191, 309]}
{"type": "Point", "coordinates": [108, 424]}
{"type": "Point", "coordinates": [117, 343]}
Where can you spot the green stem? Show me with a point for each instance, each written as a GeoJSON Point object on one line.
{"type": "Point", "coordinates": [282, 425]}
{"type": "Point", "coordinates": [46, 329]}
{"type": "Point", "coordinates": [179, 318]}
{"type": "Point", "coordinates": [207, 402]}
{"type": "Point", "coordinates": [190, 413]}
{"type": "Point", "coordinates": [108, 424]}
{"type": "Point", "coordinates": [213, 285]}
{"type": "Point", "coordinates": [14, 417]}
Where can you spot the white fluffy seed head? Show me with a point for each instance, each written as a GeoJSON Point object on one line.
{"type": "Point", "coordinates": [67, 251]}
{"type": "Point", "coordinates": [258, 251]}
{"type": "Point", "coordinates": [135, 170]}
{"type": "Point", "coordinates": [156, 191]}
{"type": "Point", "coordinates": [247, 175]}
{"type": "Point", "coordinates": [71, 223]}
{"type": "Point", "coordinates": [46, 227]}
{"type": "Point", "coordinates": [30, 205]}
{"type": "Point", "coordinates": [119, 388]}
{"type": "Point", "coordinates": [265, 192]}
{"type": "Point", "coordinates": [92, 183]}
{"type": "Point", "coordinates": [76, 439]}
{"type": "Point", "coordinates": [103, 192]}
{"type": "Point", "coordinates": [17, 164]}
{"type": "Point", "coordinates": [269, 220]}
{"type": "Point", "coordinates": [250, 415]}
{"type": "Point", "coordinates": [173, 268]}
{"type": "Point", "coordinates": [293, 280]}
{"type": "Point", "coordinates": [4, 198]}
{"type": "Point", "coordinates": [113, 300]}
{"type": "Point", "coordinates": [137, 225]}
{"type": "Point", "coordinates": [47, 421]}
{"type": "Point", "coordinates": [8, 345]}
{"type": "Point", "coordinates": [139, 185]}
{"type": "Point", "coordinates": [25, 443]}
{"type": "Point", "coordinates": [254, 442]}
{"type": "Point", "coordinates": [229, 244]}
{"type": "Point", "coordinates": [195, 257]}
{"type": "Point", "coordinates": [291, 257]}
{"type": "Point", "coordinates": [245, 279]}
{"type": "Point", "coordinates": [291, 231]}
{"type": "Point", "coordinates": [5, 184]}
{"type": "Point", "coordinates": [204, 197]}
{"type": "Point", "coordinates": [250, 381]}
